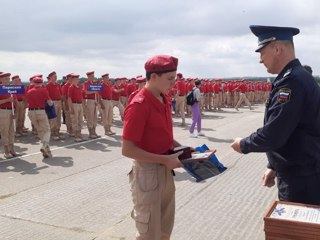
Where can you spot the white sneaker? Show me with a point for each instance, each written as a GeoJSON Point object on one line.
{"type": "Point", "coordinates": [192, 135]}
{"type": "Point", "coordinates": [201, 134]}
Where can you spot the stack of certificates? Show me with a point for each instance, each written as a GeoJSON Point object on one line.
{"type": "Point", "coordinates": [295, 221]}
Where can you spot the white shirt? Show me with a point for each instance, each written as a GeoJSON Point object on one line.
{"type": "Point", "coordinates": [196, 93]}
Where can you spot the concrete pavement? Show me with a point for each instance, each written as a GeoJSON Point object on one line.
{"type": "Point", "coordinates": [83, 193]}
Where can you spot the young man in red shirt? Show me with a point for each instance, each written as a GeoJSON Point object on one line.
{"type": "Point", "coordinates": [65, 105]}
{"type": "Point", "coordinates": [20, 109]}
{"type": "Point", "coordinates": [37, 97]}
{"type": "Point", "coordinates": [7, 103]}
{"type": "Point", "coordinates": [116, 93]}
{"type": "Point", "coordinates": [54, 90]}
{"type": "Point", "coordinates": [75, 101]}
{"type": "Point", "coordinates": [141, 81]}
{"type": "Point", "coordinates": [90, 110]}
{"type": "Point", "coordinates": [148, 139]}
{"type": "Point", "coordinates": [181, 98]}
{"type": "Point", "coordinates": [106, 104]}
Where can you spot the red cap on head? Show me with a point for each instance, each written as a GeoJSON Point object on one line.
{"type": "Point", "coordinates": [105, 75]}
{"type": "Point", "coordinates": [3, 75]}
{"type": "Point", "coordinates": [69, 75]}
{"type": "Point", "coordinates": [37, 80]}
{"type": "Point", "coordinates": [15, 77]}
{"type": "Point", "coordinates": [51, 74]}
{"type": "Point", "coordinates": [73, 75]}
{"type": "Point", "coordinates": [161, 64]}
{"type": "Point", "coordinates": [90, 73]}
{"type": "Point", "coordinates": [117, 79]}
{"type": "Point", "coordinates": [141, 79]}
{"type": "Point", "coordinates": [179, 74]}
{"type": "Point", "coordinates": [37, 75]}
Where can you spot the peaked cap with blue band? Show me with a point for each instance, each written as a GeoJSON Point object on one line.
{"type": "Point", "coordinates": [267, 34]}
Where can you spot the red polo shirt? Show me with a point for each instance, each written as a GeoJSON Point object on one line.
{"type": "Point", "coordinates": [148, 123]}
{"type": "Point", "coordinates": [124, 93]}
{"type": "Point", "coordinates": [65, 88]}
{"type": "Point", "coordinates": [37, 96]}
{"type": "Point", "coordinates": [115, 95]}
{"type": "Point", "coordinates": [7, 104]}
{"type": "Point", "coordinates": [131, 88]}
{"type": "Point", "coordinates": [85, 88]}
{"type": "Point", "coordinates": [132, 95]}
{"type": "Point", "coordinates": [181, 86]}
{"type": "Point", "coordinates": [75, 93]}
{"type": "Point", "coordinates": [243, 88]}
{"type": "Point", "coordinates": [54, 90]}
{"type": "Point", "coordinates": [106, 92]}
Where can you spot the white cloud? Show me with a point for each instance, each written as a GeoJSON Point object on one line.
{"type": "Point", "coordinates": [211, 38]}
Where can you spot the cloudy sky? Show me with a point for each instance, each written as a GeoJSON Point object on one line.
{"type": "Point", "coordinates": [211, 38]}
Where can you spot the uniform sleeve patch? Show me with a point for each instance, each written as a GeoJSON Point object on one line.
{"type": "Point", "coordinates": [284, 95]}
{"type": "Point", "coordinates": [138, 99]}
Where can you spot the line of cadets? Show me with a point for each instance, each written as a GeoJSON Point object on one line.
{"type": "Point", "coordinates": [218, 94]}
{"type": "Point", "coordinates": [75, 103]}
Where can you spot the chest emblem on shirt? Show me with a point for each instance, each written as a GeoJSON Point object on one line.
{"type": "Point", "coordinates": [284, 95]}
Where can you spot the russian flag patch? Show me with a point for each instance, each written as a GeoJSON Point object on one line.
{"type": "Point", "coordinates": [284, 95]}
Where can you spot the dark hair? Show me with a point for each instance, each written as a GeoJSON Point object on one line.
{"type": "Point", "coordinates": [148, 75]}
{"type": "Point", "coordinates": [197, 82]}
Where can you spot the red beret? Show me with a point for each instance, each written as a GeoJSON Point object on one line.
{"type": "Point", "coordinates": [105, 75]}
{"type": "Point", "coordinates": [69, 75]}
{"type": "Point", "coordinates": [14, 77]}
{"type": "Point", "coordinates": [161, 64]}
{"type": "Point", "coordinates": [90, 73]}
{"type": "Point", "coordinates": [179, 74]}
{"type": "Point", "coordinates": [3, 75]}
{"type": "Point", "coordinates": [73, 75]}
{"type": "Point", "coordinates": [117, 79]}
{"type": "Point", "coordinates": [141, 79]}
{"type": "Point", "coordinates": [37, 75]}
{"type": "Point", "coordinates": [37, 80]}
{"type": "Point", "coordinates": [51, 74]}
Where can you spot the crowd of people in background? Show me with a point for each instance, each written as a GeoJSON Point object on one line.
{"type": "Point", "coordinates": [75, 103]}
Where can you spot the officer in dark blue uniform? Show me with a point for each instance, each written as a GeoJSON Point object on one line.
{"type": "Point", "coordinates": [291, 132]}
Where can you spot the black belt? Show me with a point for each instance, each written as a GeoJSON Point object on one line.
{"type": "Point", "coordinates": [20, 100]}
{"type": "Point", "coordinates": [31, 109]}
{"type": "Point", "coordinates": [77, 102]}
{"type": "Point", "coordinates": [6, 108]}
{"type": "Point", "coordinates": [106, 98]}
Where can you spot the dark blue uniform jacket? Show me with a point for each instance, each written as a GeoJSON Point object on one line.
{"type": "Point", "coordinates": [291, 132]}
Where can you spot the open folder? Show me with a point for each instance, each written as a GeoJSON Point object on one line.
{"type": "Point", "coordinates": [204, 164]}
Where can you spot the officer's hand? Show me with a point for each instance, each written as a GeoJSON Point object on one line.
{"type": "Point", "coordinates": [268, 178]}
{"type": "Point", "coordinates": [173, 161]}
{"type": "Point", "coordinates": [236, 145]}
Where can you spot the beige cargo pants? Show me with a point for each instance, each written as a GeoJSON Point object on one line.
{"type": "Point", "coordinates": [153, 194]}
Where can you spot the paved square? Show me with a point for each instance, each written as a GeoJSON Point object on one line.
{"type": "Point", "coordinates": [82, 193]}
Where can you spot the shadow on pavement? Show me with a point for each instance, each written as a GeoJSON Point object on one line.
{"type": "Point", "coordinates": [20, 166]}
{"type": "Point", "coordinates": [212, 139]}
{"type": "Point", "coordinates": [59, 161]}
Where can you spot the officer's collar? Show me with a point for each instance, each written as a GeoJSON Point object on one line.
{"type": "Point", "coordinates": [287, 69]}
